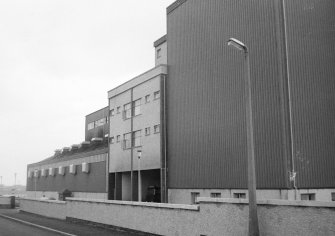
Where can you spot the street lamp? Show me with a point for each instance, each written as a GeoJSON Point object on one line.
{"type": "Point", "coordinates": [253, 218]}
{"type": "Point", "coordinates": [139, 154]}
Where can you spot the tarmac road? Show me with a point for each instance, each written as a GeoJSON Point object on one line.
{"type": "Point", "coordinates": [12, 228]}
{"type": "Point", "coordinates": [13, 222]}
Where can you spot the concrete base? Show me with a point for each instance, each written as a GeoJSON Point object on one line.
{"type": "Point", "coordinates": [184, 196]}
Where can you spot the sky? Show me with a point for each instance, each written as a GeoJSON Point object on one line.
{"type": "Point", "coordinates": [58, 59]}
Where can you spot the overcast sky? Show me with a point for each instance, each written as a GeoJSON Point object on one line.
{"type": "Point", "coordinates": [58, 59]}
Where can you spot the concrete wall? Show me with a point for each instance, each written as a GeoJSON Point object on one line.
{"type": "Point", "coordinates": [211, 217]}
{"type": "Point", "coordinates": [54, 209]}
{"type": "Point", "coordinates": [7, 202]}
{"type": "Point", "coordinates": [49, 194]}
{"type": "Point", "coordinates": [183, 196]}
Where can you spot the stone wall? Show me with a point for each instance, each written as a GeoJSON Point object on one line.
{"type": "Point", "coordinates": [212, 216]}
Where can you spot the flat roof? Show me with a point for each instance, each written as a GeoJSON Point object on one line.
{"type": "Point", "coordinates": [97, 111]}
{"type": "Point", "coordinates": [160, 41]}
{"type": "Point", "coordinates": [158, 70]}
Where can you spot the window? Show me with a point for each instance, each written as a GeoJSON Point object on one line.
{"type": "Point", "coordinates": [215, 195]}
{"type": "Point", "coordinates": [156, 128]}
{"type": "Point", "coordinates": [308, 196]}
{"type": "Point", "coordinates": [147, 131]}
{"type": "Point", "coordinates": [127, 141]}
{"type": "Point", "coordinates": [118, 138]}
{"type": "Point", "coordinates": [100, 122]}
{"type": "Point", "coordinates": [240, 195]}
{"type": "Point", "coordinates": [137, 107]}
{"type": "Point", "coordinates": [159, 52]}
{"type": "Point", "coordinates": [157, 95]}
{"type": "Point", "coordinates": [137, 138]}
{"type": "Point", "coordinates": [127, 111]}
{"type": "Point", "coordinates": [194, 196]}
{"type": "Point", "coordinates": [147, 98]}
{"type": "Point", "coordinates": [118, 109]}
{"type": "Point", "coordinates": [90, 126]}
{"type": "Point", "coordinates": [111, 112]}
{"type": "Point", "coordinates": [112, 139]}
{"type": "Point", "coordinates": [333, 196]}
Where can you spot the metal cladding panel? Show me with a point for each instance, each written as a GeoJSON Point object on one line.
{"type": "Point", "coordinates": [94, 181]}
{"type": "Point", "coordinates": [205, 106]}
{"type": "Point", "coordinates": [311, 57]}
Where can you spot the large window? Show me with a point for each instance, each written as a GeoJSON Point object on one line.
{"type": "Point", "coordinates": [132, 140]}
{"type": "Point", "coordinates": [137, 107]}
{"type": "Point", "coordinates": [137, 138]}
{"type": "Point", "coordinates": [127, 111]}
{"type": "Point", "coordinates": [127, 141]}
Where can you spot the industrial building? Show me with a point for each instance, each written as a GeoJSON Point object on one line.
{"type": "Point", "coordinates": [80, 169]}
{"type": "Point", "coordinates": [187, 118]}
{"type": "Point", "coordinates": [292, 63]}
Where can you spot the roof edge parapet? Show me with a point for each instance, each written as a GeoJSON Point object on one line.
{"type": "Point", "coordinates": [174, 6]}
{"type": "Point", "coordinates": [160, 41]}
{"type": "Point", "coordinates": [158, 70]}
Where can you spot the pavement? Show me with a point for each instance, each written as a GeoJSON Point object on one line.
{"type": "Point", "coordinates": [13, 222]}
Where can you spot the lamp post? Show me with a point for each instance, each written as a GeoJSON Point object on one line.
{"type": "Point", "coordinates": [139, 154]}
{"type": "Point", "coordinates": [253, 218]}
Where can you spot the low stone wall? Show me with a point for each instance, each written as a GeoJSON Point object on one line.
{"type": "Point", "coordinates": [7, 202]}
{"type": "Point", "coordinates": [213, 216]}
{"type": "Point", "coordinates": [155, 218]}
{"type": "Point", "coordinates": [49, 208]}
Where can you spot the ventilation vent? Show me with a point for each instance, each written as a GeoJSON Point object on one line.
{"type": "Point", "coordinates": [61, 170]}
{"type": "Point", "coordinates": [96, 139]}
{"type": "Point", "coordinates": [51, 171]}
{"type": "Point", "coordinates": [36, 173]}
{"type": "Point", "coordinates": [85, 167]}
{"type": "Point", "coordinates": [72, 169]}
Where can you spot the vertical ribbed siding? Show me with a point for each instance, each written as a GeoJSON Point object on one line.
{"type": "Point", "coordinates": [205, 89]}
{"type": "Point", "coordinates": [311, 46]}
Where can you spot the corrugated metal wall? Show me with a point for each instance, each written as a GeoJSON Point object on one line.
{"type": "Point", "coordinates": [311, 57]}
{"type": "Point", "coordinates": [205, 89]}
{"type": "Point", "coordinates": [95, 181]}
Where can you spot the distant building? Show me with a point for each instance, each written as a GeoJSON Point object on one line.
{"type": "Point", "coordinates": [81, 168]}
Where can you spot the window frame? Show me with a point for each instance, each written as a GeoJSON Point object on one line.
{"type": "Point", "coordinates": [136, 107]}
{"type": "Point", "coordinates": [157, 127]}
{"type": "Point", "coordinates": [157, 95]}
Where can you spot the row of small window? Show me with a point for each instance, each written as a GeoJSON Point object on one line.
{"type": "Point", "coordinates": [61, 171]}
{"type": "Point", "coordinates": [133, 108]}
{"type": "Point", "coordinates": [195, 195]}
{"type": "Point", "coordinates": [97, 123]}
{"type": "Point", "coordinates": [133, 139]}
{"type": "Point", "coordinates": [303, 196]}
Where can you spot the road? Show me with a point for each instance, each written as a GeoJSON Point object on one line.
{"type": "Point", "coordinates": [13, 222]}
{"type": "Point", "coordinates": [12, 228]}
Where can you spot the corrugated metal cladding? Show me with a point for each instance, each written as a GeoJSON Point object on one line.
{"type": "Point", "coordinates": [311, 46]}
{"type": "Point", "coordinates": [95, 181]}
{"type": "Point", "coordinates": [205, 89]}
{"type": "Point", "coordinates": [205, 107]}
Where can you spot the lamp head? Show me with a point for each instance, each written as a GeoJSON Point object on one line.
{"type": "Point", "coordinates": [139, 153]}
{"type": "Point", "coordinates": [237, 44]}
